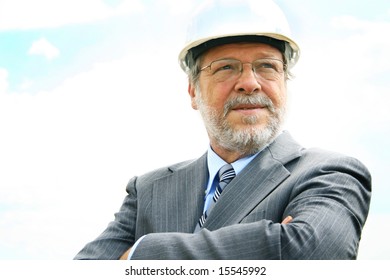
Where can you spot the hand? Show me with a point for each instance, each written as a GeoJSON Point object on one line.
{"type": "Point", "coordinates": [287, 220]}
{"type": "Point", "coordinates": [125, 255]}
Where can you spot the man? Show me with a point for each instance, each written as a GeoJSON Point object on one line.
{"type": "Point", "coordinates": [256, 193]}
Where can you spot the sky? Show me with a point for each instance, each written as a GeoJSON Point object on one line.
{"type": "Point", "coordinates": [84, 107]}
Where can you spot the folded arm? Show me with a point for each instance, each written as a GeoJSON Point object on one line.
{"type": "Point", "coordinates": [329, 206]}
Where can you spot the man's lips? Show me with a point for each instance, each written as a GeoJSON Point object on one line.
{"type": "Point", "coordinates": [247, 107]}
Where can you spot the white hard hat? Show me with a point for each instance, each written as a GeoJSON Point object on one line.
{"type": "Point", "coordinates": [226, 21]}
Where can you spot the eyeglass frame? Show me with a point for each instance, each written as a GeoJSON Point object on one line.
{"type": "Point", "coordinates": [242, 66]}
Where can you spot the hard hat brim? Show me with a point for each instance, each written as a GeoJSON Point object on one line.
{"type": "Point", "coordinates": [238, 38]}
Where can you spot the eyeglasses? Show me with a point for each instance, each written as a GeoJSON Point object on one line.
{"type": "Point", "coordinates": [227, 69]}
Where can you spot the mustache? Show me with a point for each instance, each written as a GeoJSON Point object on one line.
{"type": "Point", "coordinates": [258, 99]}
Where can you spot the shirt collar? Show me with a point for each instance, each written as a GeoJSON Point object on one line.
{"type": "Point", "coordinates": [215, 162]}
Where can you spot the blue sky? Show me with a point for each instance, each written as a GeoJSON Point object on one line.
{"type": "Point", "coordinates": [82, 110]}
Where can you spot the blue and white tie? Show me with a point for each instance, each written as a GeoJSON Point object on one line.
{"type": "Point", "coordinates": [225, 175]}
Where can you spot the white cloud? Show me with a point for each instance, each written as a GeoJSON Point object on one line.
{"type": "Point", "coordinates": [87, 138]}
{"type": "Point", "coordinates": [367, 44]}
{"type": "Point", "coordinates": [349, 22]}
{"type": "Point", "coordinates": [354, 23]}
{"type": "Point", "coordinates": [374, 233]}
{"type": "Point", "coordinates": [21, 14]}
{"type": "Point", "coordinates": [180, 7]}
{"type": "Point", "coordinates": [26, 84]}
{"type": "Point", "coordinates": [3, 80]}
{"type": "Point", "coordinates": [342, 84]}
{"type": "Point", "coordinates": [45, 48]}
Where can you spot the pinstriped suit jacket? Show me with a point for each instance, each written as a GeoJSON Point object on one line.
{"type": "Point", "coordinates": [327, 194]}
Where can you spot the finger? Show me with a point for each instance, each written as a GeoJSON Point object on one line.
{"type": "Point", "coordinates": [125, 255]}
{"type": "Point", "coordinates": [287, 220]}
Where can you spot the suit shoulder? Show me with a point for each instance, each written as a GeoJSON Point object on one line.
{"type": "Point", "coordinates": [164, 171]}
{"type": "Point", "coordinates": [322, 154]}
{"type": "Point", "coordinates": [320, 157]}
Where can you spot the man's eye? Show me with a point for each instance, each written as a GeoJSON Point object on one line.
{"type": "Point", "coordinates": [224, 67]}
{"type": "Point", "coordinates": [266, 66]}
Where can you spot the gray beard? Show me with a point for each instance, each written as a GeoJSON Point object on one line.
{"type": "Point", "coordinates": [246, 141]}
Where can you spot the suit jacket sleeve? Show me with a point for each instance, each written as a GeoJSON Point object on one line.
{"type": "Point", "coordinates": [119, 235]}
{"type": "Point", "coordinates": [328, 200]}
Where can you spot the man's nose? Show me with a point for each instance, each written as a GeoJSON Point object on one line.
{"type": "Point", "coordinates": [248, 83]}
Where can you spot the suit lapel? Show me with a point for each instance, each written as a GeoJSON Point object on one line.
{"type": "Point", "coordinates": [178, 198]}
{"type": "Point", "coordinates": [254, 183]}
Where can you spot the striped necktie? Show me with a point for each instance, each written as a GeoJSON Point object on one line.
{"type": "Point", "coordinates": [225, 175]}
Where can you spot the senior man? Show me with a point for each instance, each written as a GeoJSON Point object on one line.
{"type": "Point", "coordinates": [256, 193]}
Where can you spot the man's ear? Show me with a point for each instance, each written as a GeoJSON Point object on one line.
{"type": "Point", "coordinates": [192, 92]}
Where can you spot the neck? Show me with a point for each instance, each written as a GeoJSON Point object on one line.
{"type": "Point", "coordinates": [227, 155]}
